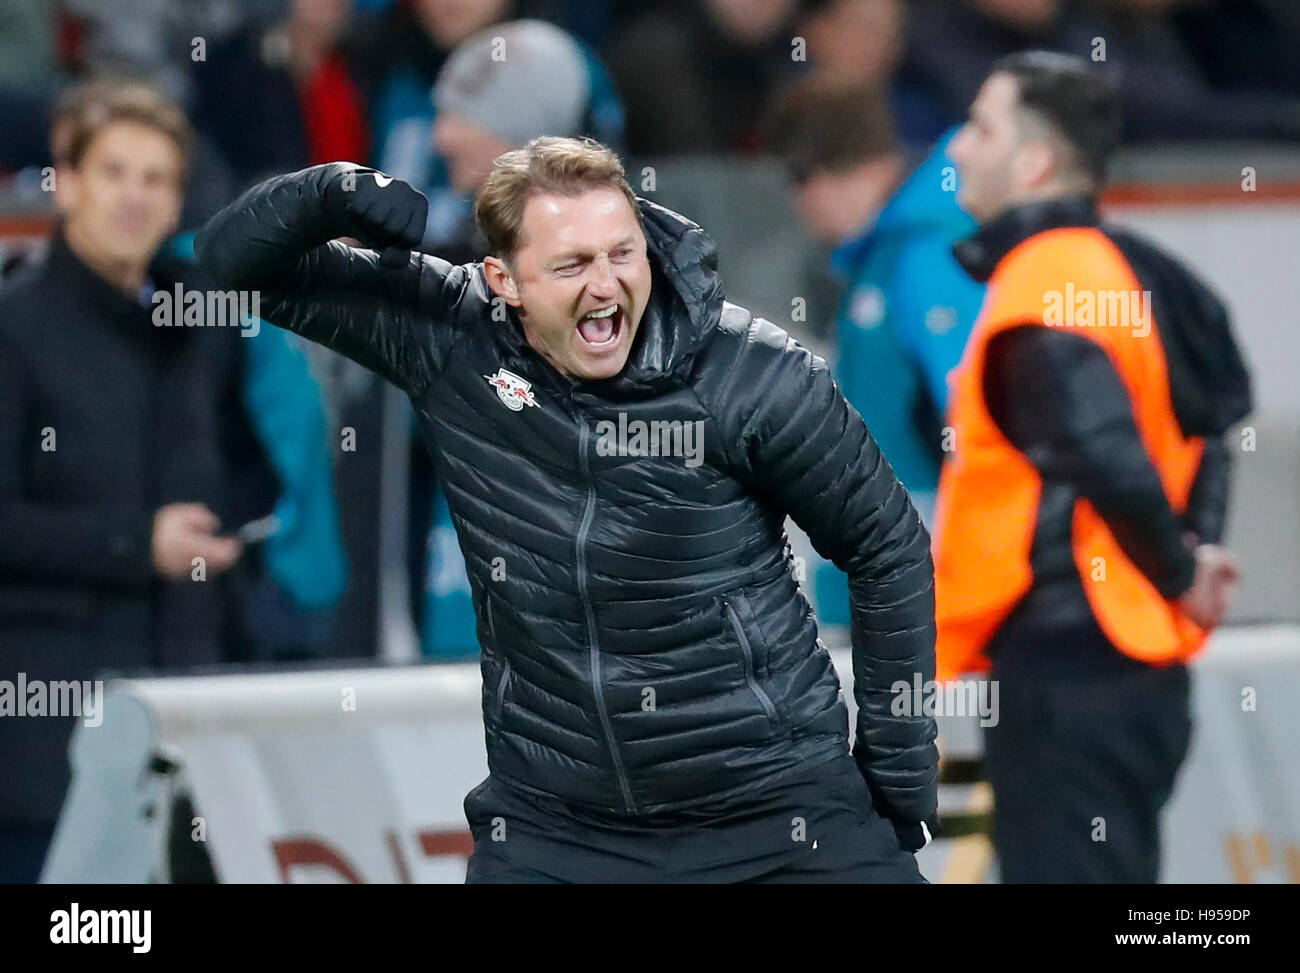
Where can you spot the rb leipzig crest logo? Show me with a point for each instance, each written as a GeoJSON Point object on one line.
{"type": "Point", "coordinates": [512, 390]}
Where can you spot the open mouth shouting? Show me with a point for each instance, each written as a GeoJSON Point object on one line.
{"type": "Point", "coordinates": [602, 331]}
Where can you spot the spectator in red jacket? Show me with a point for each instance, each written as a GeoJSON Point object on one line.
{"type": "Point", "coordinates": [286, 96]}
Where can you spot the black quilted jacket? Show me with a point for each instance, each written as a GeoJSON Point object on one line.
{"type": "Point", "coordinates": [646, 648]}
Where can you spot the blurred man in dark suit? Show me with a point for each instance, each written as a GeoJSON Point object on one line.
{"type": "Point", "coordinates": [109, 467]}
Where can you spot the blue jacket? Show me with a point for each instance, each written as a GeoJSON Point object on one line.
{"type": "Point", "coordinates": [448, 627]}
{"type": "Point", "coordinates": [907, 311]}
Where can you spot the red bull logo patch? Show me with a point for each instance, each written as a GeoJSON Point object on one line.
{"type": "Point", "coordinates": [512, 390]}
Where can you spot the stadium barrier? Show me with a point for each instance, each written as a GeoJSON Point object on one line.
{"type": "Point", "coordinates": [358, 775]}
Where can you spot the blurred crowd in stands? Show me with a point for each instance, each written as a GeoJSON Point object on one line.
{"type": "Point", "coordinates": [850, 95]}
{"type": "Point", "coordinates": [277, 84]}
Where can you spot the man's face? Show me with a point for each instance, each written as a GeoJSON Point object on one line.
{"type": "Point", "coordinates": [985, 150]}
{"type": "Point", "coordinates": [125, 197]}
{"type": "Point", "coordinates": [580, 281]}
{"type": "Point", "coordinates": [816, 195]}
{"type": "Point", "coordinates": [468, 150]}
{"type": "Point", "coordinates": [323, 18]}
{"type": "Point", "coordinates": [834, 204]}
{"type": "Point", "coordinates": [751, 21]}
{"type": "Point", "coordinates": [858, 39]}
{"type": "Point", "coordinates": [449, 22]}
{"type": "Point", "coordinates": [1026, 15]}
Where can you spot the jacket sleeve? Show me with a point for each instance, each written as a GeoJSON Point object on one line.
{"type": "Point", "coordinates": [807, 453]}
{"type": "Point", "coordinates": [1207, 507]}
{"type": "Point", "coordinates": [1059, 400]}
{"type": "Point", "coordinates": [45, 540]}
{"type": "Point", "coordinates": [278, 240]}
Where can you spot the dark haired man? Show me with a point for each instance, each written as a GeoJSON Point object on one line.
{"type": "Point", "coordinates": [1079, 517]}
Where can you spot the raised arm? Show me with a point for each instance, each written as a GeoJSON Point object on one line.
{"type": "Point", "coordinates": [809, 454]}
{"type": "Point", "coordinates": [396, 314]}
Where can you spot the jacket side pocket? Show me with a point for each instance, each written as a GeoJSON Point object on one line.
{"type": "Point", "coordinates": [503, 681]}
{"type": "Point", "coordinates": [747, 654]}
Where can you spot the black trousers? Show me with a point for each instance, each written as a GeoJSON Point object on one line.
{"type": "Point", "coordinates": [815, 826]}
{"type": "Point", "coordinates": [1081, 768]}
{"type": "Point", "coordinates": [22, 852]}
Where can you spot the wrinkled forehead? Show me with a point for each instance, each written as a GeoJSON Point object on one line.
{"type": "Point", "coordinates": [595, 220]}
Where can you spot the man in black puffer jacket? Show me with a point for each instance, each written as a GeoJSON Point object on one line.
{"type": "Point", "coordinates": [620, 447]}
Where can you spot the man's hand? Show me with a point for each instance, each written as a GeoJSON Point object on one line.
{"type": "Point", "coordinates": [1218, 573]}
{"type": "Point", "coordinates": [184, 531]}
{"type": "Point", "coordinates": [384, 213]}
{"type": "Point", "coordinates": [915, 835]}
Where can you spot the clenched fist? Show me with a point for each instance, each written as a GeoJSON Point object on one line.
{"type": "Point", "coordinates": [384, 213]}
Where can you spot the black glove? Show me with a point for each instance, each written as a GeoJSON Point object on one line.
{"type": "Point", "coordinates": [384, 213]}
{"type": "Point", "coordinates": [915, 835]}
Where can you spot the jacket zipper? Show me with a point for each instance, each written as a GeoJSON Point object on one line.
{"type": "Point", "coordinates": [498, 704]}
{"type": "Point", "coordinates": [748, 653]}
{"type": "Point", "coordinates": [587, 516]}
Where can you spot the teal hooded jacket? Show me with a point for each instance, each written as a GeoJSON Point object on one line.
{"type": "Point", "coordinates": [907, 310]}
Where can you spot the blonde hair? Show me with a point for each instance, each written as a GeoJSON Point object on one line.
{"type": "Point", "coordinates": [549, 164]}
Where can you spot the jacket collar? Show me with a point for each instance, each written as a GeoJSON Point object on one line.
{"type": "Point", "coordinates": [980, 254]}
{"type": "Point", "coordinates": [78, 276]}
{"type": "Point", "coordinates": [131, 316]}
{"type": "Point", "coordinates": [685, 300]}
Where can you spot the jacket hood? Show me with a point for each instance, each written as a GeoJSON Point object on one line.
{"type": "Point", "coordinates": [686, 298]}
{"type": "Point", "coordinates": [921, 203]}
{"type": "Point", "coordinates": [924, 199]}
{"type": "Point", "coordinates": [1210, 383]}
